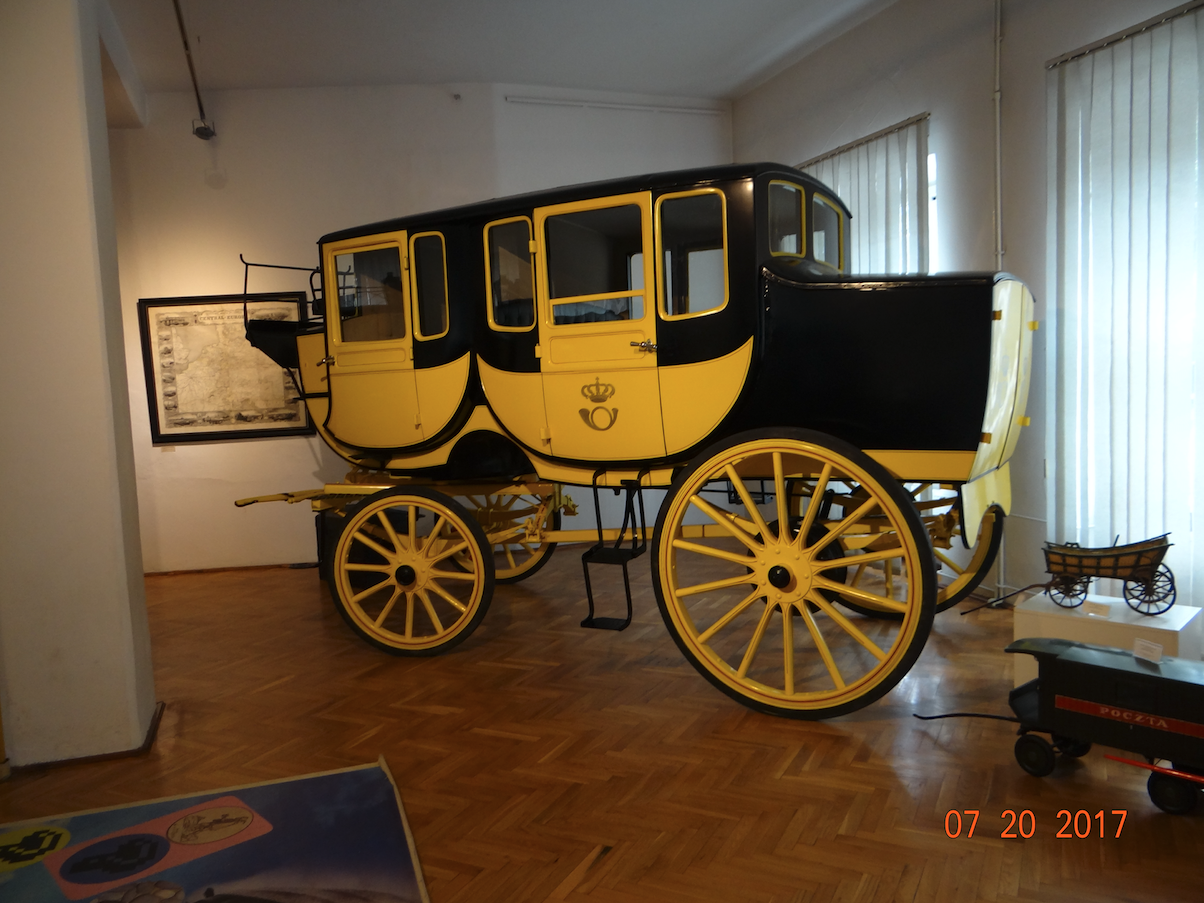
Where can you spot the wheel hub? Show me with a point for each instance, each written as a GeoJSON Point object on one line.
{"type": "Point", "coordinates": [779, 576]}
{"type": "Point", "coordinates": [405, 575]}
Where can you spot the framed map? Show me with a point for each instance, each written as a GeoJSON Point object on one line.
{"type": "Point", "coordinates": [204, 380]}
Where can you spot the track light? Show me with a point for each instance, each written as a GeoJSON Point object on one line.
{"type": "Point", "coordinates": [203, 129]}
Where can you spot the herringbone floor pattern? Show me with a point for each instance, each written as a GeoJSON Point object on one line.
{"type": "Point", "coordinates": [543, 762]}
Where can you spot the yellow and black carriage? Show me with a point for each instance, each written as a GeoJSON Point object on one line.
{"type": "Point", "coordinates": [832, 448]}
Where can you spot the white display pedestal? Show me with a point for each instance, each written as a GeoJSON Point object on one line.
{"type": "Point", "coordinates": [1179, 631]}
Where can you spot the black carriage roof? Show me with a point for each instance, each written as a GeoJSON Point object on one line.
{"type": "Point", "coordinates": [515, 204]}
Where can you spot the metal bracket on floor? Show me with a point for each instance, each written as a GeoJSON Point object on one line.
{"type": "Point", "coordinates": [601, 553]}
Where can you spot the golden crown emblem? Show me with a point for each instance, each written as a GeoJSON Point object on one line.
{"type": "Point", "coordinates": [598, 391]}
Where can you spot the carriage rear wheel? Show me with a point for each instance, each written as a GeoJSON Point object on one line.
{"type": "Point", "coordinates": [410, 571]}
{"type": "Point", "coordinates": [504, 517]}
{"type": "Point", "coordinates": [747, 591]}
{"type": "Point", "coordinates": [1035, 755]}
{"type": "Point", "coordinates": [1153, 597]}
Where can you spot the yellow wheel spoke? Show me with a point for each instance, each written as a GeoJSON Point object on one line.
{"type": "Point", "coordinates": [710, 551]}
{"type": "Point", "coordinates": [949, 563]}
{"type": "Point", "coordinates": [822, 645]}
{"type": "Point", "coordinates": [383, 517]}
{"type": "Point", "coordinates": [430, 610]}
{"type": "Point", "coordinates": [821, 486]}
{"type": "Point", "coordinates": [434, 539]}
{"type": "Point", "coordinates": [848, 626]}
{"type": "Point", "coordinates": [409, 616]}
{"type": "Point", "coordinates": [779, 491]}
{"type": "Point", "coordinates": [842, 527]}
{"type": "Point", "coordinates": [388, 554]}
{"type": "Point", "coordinates": [728, 522]}
{"type": "Point", "coordinates": [787, 645]}
{"type": "Point", "coordinates": [384, 612]}
{"type": "Point", "coordinates": [378, 568]}
{"type": "Point", "coordinates": [412, 527]}
{"type": "Point", "coordinates": [751, 652]}
{"type": "Point", "coordinates": [445, 595]}
{"type": "Point", "coordinates": [746, 499]}
{"type": "Point", "coordinates": [725, 583]}
{"type": "Point", "coordinates": [859, 560]}
{"type": "Point", "coordinates": [364, 594]}
{"type": "Point", "coordinates": [509, 557]}
{"type": "Point", "coordinates": [437, 574]}
{"type": "Point", "coordinates": [726, 619]}
{"type": "Point", "coordinates": [447, 552]}
{"type": "Point", "coordinates": [861, 595]}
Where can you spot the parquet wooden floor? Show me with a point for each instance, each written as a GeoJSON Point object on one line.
{"type": "Point", "coordinates": [543, 762]}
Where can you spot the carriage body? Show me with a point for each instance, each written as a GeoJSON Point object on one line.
{"type": "Point", "coordinates": [679, 330]}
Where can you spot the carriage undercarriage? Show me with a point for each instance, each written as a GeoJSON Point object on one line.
{"type": "Point", "coordinates": [791, 569]}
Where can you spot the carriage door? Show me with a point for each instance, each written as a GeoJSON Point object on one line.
{"type": "Point", "coordinates": [597, 329]}
{"type": "Point", "coordinates": [373, 396]}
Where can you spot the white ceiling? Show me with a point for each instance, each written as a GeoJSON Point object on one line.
{"type": "Point", "coordinates": [683, 48]}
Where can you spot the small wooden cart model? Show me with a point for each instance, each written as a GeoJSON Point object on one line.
{"type": "Point", "coordinates": [822, 439]}
{"type": "Point", "coordinates": [1149, 585]}
{"type": "Point", "coordinates": [1087, 694]}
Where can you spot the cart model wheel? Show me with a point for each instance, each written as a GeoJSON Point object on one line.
{"type": "Point", "coordinates": [1153, 597]}
{"type": "Point", "coordinates": [1068, 746]}
{"type": "Point", "coordinates": [395, 582]}
{"type": "Point", "coordinates": [504, 519]}
{"type": "Point", "coordinates": [750, 604]}
{"type": "Point", "coordinates": [1069, 591]}
{"type": "Point", "coordinates": [1035, 755]}
{"type": "Point", "coordinates": [1171, 794]}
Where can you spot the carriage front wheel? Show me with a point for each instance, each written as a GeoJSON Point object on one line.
{"type": "Point", "coordinates": [411, 571]}
{"type": "Point", "coordinates": [749, 592]}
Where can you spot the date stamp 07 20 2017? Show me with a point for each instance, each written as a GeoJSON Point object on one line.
{"type": "Point", "coordinates": [1023, 824]}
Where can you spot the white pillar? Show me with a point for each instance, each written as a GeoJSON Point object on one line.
{"type": "Point", "coordinates": [75, 664]}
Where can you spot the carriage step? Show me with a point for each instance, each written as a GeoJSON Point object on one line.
{"type": "Point", "coordinates": [600, 553]}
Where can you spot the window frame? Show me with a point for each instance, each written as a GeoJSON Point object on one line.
{"type": "Point", "coordinates": [831, 204]}
{"type": "Point", "coordinates": [662, 299]}
{"type": "Point", "coordinates": [395, 240]}
{"type": "Point", "coordinates": [489, 300]}
{"type": "Point", "coordinates": [415, 295]}
{"type": "Point", "coordinates": [803, 236]}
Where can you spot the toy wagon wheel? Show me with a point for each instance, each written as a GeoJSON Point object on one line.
{"type": "Point", "coordinates": [503, 517]}
{"type": "Point", "coordinates": [1152, 597]}
{"type": "Point", "coordinates": [750, 604]}
{"type": "Point", "coordinates": [1171, 794]}
{"type": "Point", "coordinates": [1069, 591]}
{"type": "Point", "coordinates": [395, 582]}
{"type": "Point", "coordinates": [1035, 755]}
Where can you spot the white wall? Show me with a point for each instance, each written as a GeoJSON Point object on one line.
{"type": "Point", "coordinates": [937, 56]}
{"type": "Point", "coordinates": [288, 166]}
{"type": "Point", "coordinates": [75, 665]}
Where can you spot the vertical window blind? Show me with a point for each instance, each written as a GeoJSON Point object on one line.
{"type": "Point", "coordinates": [883, 178]}
{"type": "Point", "coordinates": [1123, 386]}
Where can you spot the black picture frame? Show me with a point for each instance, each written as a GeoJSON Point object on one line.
{"type": "Point", "coordinates": [204, 380]}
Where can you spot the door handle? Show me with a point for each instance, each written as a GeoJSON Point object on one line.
{"type": "Point", "coordinates": [326, 360]}
{"type": "Point", "coordinates": [644, 345]}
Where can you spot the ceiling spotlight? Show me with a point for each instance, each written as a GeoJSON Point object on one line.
{"type": "Point", "coordinates": [203, 129]}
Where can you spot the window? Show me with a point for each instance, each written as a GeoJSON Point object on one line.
{"type": "Point", "coordinates": [595, 265]}
{"type": "Point", "coordinates": [692, 235]}
{"type": "Point", "coordinates": [508, 270]}
{"type": "Point", "coordinates": [786, 218]}
{"type": "Point", "coordinates": [1123, 440]}
{"type": "Point", "coordinates": [430, 284]}
{"type": "Point", "coordinates": [371, 304]}
{"type": "Point", "coordinates": [883, 180]}
{"type": "Point", "coordinates": [825, 231]}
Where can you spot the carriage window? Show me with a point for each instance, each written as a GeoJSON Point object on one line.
{"type": "Point", "coordinates": [508, 269]}
{"type": "Point", "coordinates": [785, 218]}
{"type": "Point", "coordinates": [595, 265]}
{"type": "Point", "coordinates": [825, 231]}
{"type": "Point", "coordinates": [692, 244]}
{"type": "Point", "coordinates": [371, 305]}
{"type": "Point", "coordinates": [430, 284]}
